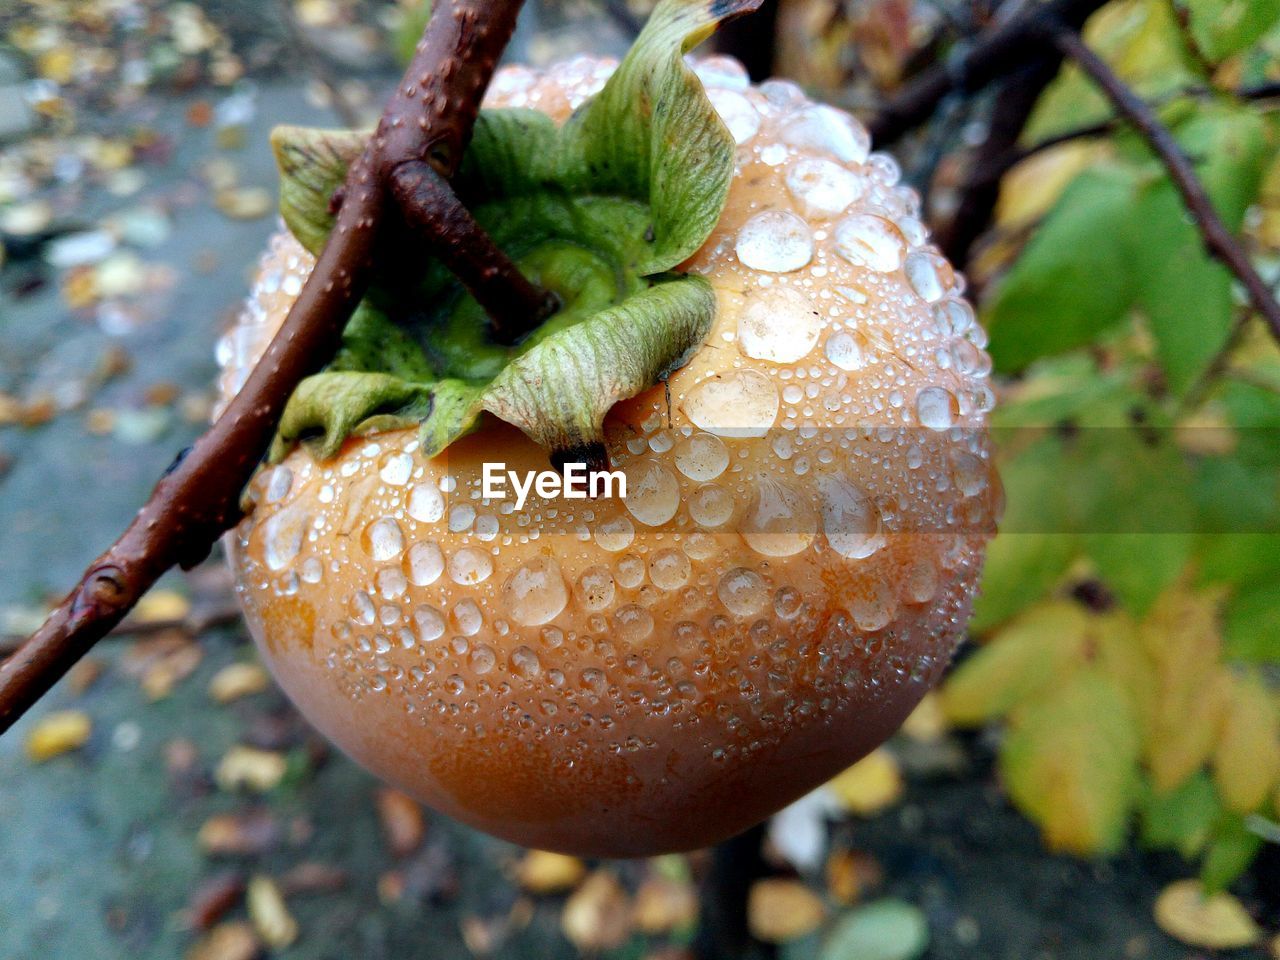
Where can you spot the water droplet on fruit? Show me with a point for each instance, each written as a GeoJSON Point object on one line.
{"type": "Point", "coordinates": [467, 618]}
{"type": "Point", "coordinates": [525, 663]}
{"type": "Point", "coordinates": [842, 349]}
{"type": "Point", "coordinates": [924, 276]}
{"type": "Point", "coordinates": [779, 521]}
{"type": "Point", "coordinates": [481, 659]}
{"type": "Point", "coordinates": [669, 569]}
{"type": "Point", "coordinates": [653, 494]}
{"type": "Point", "coordinates": [873, 607]}
{"type": "Point", "coordinates": [279, 483]}
{"type": "Point", "coordinates": [743, 403]}
{"type": "Point", "coordinates": [383, 540]}
{"type": "Point", "coordinates": [742, 591]}
{"type": "Point", "coordinates": [823, 188]}
{"type": "Point", "coordinates": [711, 506]}
{"type": "Point", "coordinates": [282, 536]}
{"type": "Point", "coordinates": [922, 581]}
{"type": "Point", "coordinates": [426, 503]}
{"type": "Point", "coordinates": [778, 324]}
{"type": "Point", "coordinates": [396, 469]}
{"type": "Point", "coordinates": [742, 119]}
{"type": "Point", "coordinates": [633, 623]}
{"type": "Point", "coordinates": [936, 408]}
{"type": "Point", "coordinates": [424, 563]}
{"type": "Point", "coordinates": [850, 519]}
{"type": "Point", "coordinates": [429, 623]}
{"type": "Point", "coordinates": [820, 127]}
{"type": "Point", "coordinates": [535, 593]}
{"type": "Point", "coordinates": [470, 566]}
{"type": "Point", "coordinates": [595, 589]}
{"type": "Point", "coordinates": [701, 457]}
{"type": "Point", "coordinates": [866, 240]}
{"type": "Point", "coordinates": [615, 534]}
{"type": "Point", "coordinates": [776, 241]}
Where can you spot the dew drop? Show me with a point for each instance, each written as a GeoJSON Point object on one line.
{"type": "Point", "coordinates": [936, 408]}
{"type": "Point", "coordinates": [922, 581]}
{"type": "Point", "coordinates": [633, 623]}
{"type": "Point", "coordinates": [525, 663]}
{"type": "Point", "coordinates": [842, 349]}
{"type": "Point", "coordinates": [426, 503]}
{"type": "Point", "coordinates": [279, 484]}
{"type": "Point", "coordinates": [595, 590]}
{"type": "Point", "coordinates": [742, 119]}
{"type": "Point", "coordinates": [424, 563]}
{"type": "Point", "coordinates": [615, 534]}
{"type": "Point", "coordinates": [383, 540]}
{"type": "Point", "coordinates": [429, 623]}
{"type": "Point", "coordinates": [850, 519]}
{"type": "Point", "coordinates": [669, 569]}
{"type": "Point", "coordinates": [866, 240]}
{"type": "Point", "coordinates": [701, 457]}
{"type": "Point", "coordinates": [396, 468]}
{"type": "Point", "coordinates": [470, 566]}
{"type": "Point", "coordinates": [924, 274]}
{"type": "Point", "coordinates": [653, 494]}
{"type": "Point", "coordinates": [711, 506]}
{"type": "Point", "coordinates": [481, 659]}
{"type": "Point", "coordinates": [823, 188]}
{"type": "Point", "coordinates": [283, 535]}
{"type": "Point", "coordinates": [776, 240]}
{"type": "Point", "coordinates": [535, 593]}
{"type": "Point", "coordinates": [742, 591]}
{"type": "Point", "coordinates": [467, 618]}
{"type": "Point", "coordinates": [833, 131]}
{"type": "Point", "coordinates": [778, 324]}
{"type": "Point", "coordinates": [779, 522]}
{"type": "Point", "coordinates": [743, 403]}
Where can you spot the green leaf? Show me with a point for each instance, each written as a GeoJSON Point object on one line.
{"type": "Point", "coordinates": [312, 164]}
{"type": "Point", "coordinates": [1185, 293]}
{"type": "Point", "coordinates": [1020, 569]}
{"type": "Point", "coordinates": [1252, 628]}
{"type": "Point", "coordinates": [328, 407]}
{"type": "Point", "coordinates": [1183, 818]}
{"type": "Point", "coordinates": [1231, 850]}
{"type": "Point", "coordinates": [653, 135]}
{"type": "Point", "coordinates": [1036, 651]}
{"type": "Point", "coordinates": [1072, 281]}
{"type": "Point", "coordinates": [1070, 761]}
{"type": "Point", "coordinates": [1138, 566]}
{"type": "Point", "coordinates": [1223, 28]}
{"type": "Point", "coordinates": [882, 930]}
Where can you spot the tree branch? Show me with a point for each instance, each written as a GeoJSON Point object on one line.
{"type": "Point", "coordinates": [998, 52]}
{"type": "Point", "coordinates": [1218, 240]}
{"type": "Point", "coordinates": [428, 120]}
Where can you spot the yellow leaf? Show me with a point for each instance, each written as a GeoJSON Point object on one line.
{"type": "Point", "coordinates": [781, 910]}
{"type": "Point", "coordinates": [58, 732]}
{"type": "Point", "coordinates": [1070, 762]}
{"type": "Point", "coordinates": [598, 915]}
{"type": "Point", "coordinates": [542, 871]}
{"type": "Point", "coordinates": [1030, 189]}
{"type": "Point", "coordinates": [1218, 922]}
{"type": "Point", "coordinates": [870, 785]}
{"type": "Point", "coordinates": [160, 605]}
{"type": "Point", "coordinates": [1179, 745]}
{"type": "Point", "coordinates": [1034, 652]}
{"type": "Point", "coordinates": [1246, 762]}
{"type": "Point", "coordinates": [927, 723]}
{"type": "Point", "coordinates": [271, 918]}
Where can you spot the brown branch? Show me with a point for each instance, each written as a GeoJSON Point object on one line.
{"type": "Point", "coordinates": [428, 119]}
{"type": "Point", "coordinates": [1218, 240]}
{"type": "Point", "coordinates": [201, 618]}
{"type": "Point", "coordinates": [998, 52]}
{"type": "Point", "coordinates": [978, 194]}
{"type": "Point", "coordinates": [515, 306]}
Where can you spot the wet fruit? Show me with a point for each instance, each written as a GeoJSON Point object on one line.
{"type": "Point", "coordinates": [808, 500]}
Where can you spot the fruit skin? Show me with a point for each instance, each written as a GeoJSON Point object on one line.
{"type": "Point", "coordinates": [711, 674]}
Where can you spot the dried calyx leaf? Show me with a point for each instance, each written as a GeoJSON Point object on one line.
{"type": "Point", "coordinates": [598, 211]}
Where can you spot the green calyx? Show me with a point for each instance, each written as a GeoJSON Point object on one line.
{"type": "Point", "coordinates": [599, 211]}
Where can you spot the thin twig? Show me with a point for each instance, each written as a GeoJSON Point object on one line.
{"type": "Point", "coordinates": [428, 119]}
{"type": "Point", "coordinates": [1014, 102]}
{"type": "Point", "coordinates": [1218, 240]}
{"type": "Point", "coordinates": [996, 53]}
{"type": "Point", "coordinates": [202, 617]}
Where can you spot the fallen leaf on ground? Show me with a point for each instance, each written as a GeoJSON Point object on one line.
{"type": "Point", "coordinates": [57, 733]}
{"type": "Point", "coordinates": [663, 905]}
{"type": "Point", "coordinates": [544, 872]}
{"type": "Point", "coordinates": [250, 769]}
{"type": "Point", "coordinates": [870, 785]}
{"type": "Point", "coordinates": [598, 914]}
{"type": "Point", "coordinates": [402, 824]}
{"type": "Point", "coordinates": [238, 680]}
{"type": "Point", "coordinates": [227, 941]}
{"type": "Point", "coordinates": [781, 910]}
{"type": "Point", "coordinates": [1218, 922]}
{"type": "Point", "coordinates": [270, 916]}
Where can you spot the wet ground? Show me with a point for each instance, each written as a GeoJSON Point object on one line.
{"type": "Point", "coordinates": [132, 844]}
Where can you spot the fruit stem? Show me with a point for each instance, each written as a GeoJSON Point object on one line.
{"type": "Point", "coordinates": [428, 119]}
{"type": "Point", "coordinates": [431, 208]}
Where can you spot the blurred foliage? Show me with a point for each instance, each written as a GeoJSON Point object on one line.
{"type": "Point", "coordinates": [1130, 615]}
